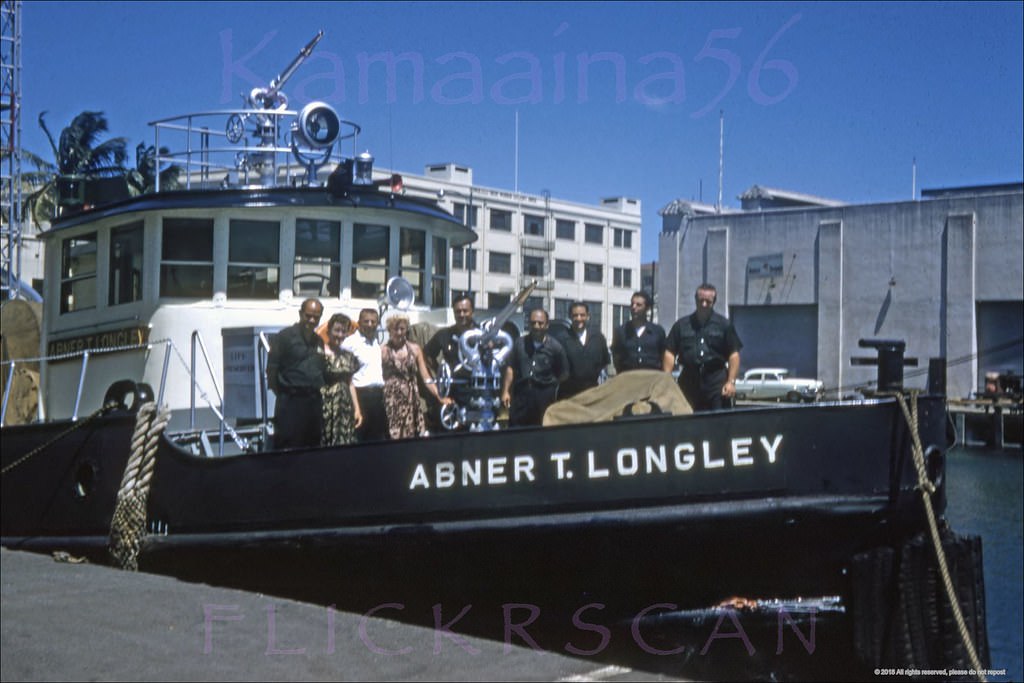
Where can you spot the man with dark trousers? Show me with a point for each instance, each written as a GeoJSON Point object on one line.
{"type": "Point", "coordinates": [587, 351]}
{"type": "Point", "coordinates": [369, 378]}
{"type": "Point", "coordinates": [295, 373]}
{"type": "Point", "coordinates": [638, 344]}
{"type": "Point", "coordinates": [708, 349]}
{"type": "Point", "coordinates": [535, 367]}
{"type": "Point", "coordinates": [445, 342]}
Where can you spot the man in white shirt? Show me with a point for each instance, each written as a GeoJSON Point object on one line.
{"type": "Point", "coordinates": [369, 378]}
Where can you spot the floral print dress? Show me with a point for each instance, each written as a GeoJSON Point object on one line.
{"type": "Point", "coordinates": [339, 413]}
{"type": "Point", "coordinates": [401, 392]}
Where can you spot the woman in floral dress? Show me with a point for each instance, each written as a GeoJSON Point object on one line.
{"type": "Point", "coordinates": [403, 361]}
{"type": "Point", "coordinates": [341, 406]}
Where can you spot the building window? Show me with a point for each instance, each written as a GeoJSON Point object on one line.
{"type": "Point", "coordinates": [253, 259]}
{"type": "Point", "coordinates": [498, 301]}
{"type": "Point", "coordinates": [439, 283]}
{"type": "Point", "coordinates": [620, 314]}
{"type": "Point", "coordinates": [78, 273]}
{"type": "Point", "coordinates": [459, 211]}
{"type": "Point", "coordinates": [464, 258]}
{"type": "Point", "coordinates": [593, 272]}
{"type": "Point", "coordinates": [622, 277]}
{"type": "Point", "coordinates": [186, 257]}
{"type": "Point", "coordinates": [317, 269]}
{"type": "Point", "coordinates": [125, 265]}
{"type": "Point", "coordinates": [596, 318]}
{"type": "Point", "coordinates": [531, 304]}
{"type": "Point", "coordinates": [533, 265]}
{"type": "Point", "coordinates": [562, 307]}
{"type": "Point", "coordinates": [533, 225]}
{"type": "Point", "coordinates": [501, 220]}
{"type": "Point", "coordinates": [499, 262]}
{"type": "Point", "coordinates": [565, 230]}
{"type": "Point", "coordinates": [623, 238]}
{"type": "Point", "coordinates": [593, 233]}
{"type": "Point", "coordinates": [370, 259]}
{"type": "Point", "coordinates": [565, 270]}
{"type": "Point", "coordinates": [412, 252]}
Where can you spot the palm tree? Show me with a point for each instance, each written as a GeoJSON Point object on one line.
{"type": "Point", "coordinates": [80, 157]}
{"type": "Point", "coordinates": [142, 179]}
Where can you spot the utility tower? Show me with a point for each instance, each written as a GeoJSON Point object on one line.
{"type": "Point", "coordinates": [10, 147]}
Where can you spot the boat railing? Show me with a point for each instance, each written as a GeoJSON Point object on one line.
{"type": "Point", "coordinates": [242, 147]}
{"type": "Point", "coordinates": [218, 409]}
{"type": "Point", "coordinates": [216, 406]}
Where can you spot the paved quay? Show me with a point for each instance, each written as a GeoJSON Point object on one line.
{"type": "Point", "coordinates": [64, 621]}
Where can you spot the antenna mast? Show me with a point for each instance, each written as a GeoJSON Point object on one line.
{"type": "Point", "coordinates": [721, 155]}
{"type": "Point", "coordinates": [10, 146]}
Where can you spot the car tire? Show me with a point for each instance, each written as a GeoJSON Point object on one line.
{"type": "Point", "coordinates": [794, 397]}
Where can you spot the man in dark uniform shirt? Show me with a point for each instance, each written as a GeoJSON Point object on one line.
{"type": "Point", "coordinates": [638, 343]}
{"type": "Point", "coordinates": [587, 351]}
{"type": "Point", "coordinates": [445, 342]}
{"type": "Point", "coordinates": [708, 349]}
{"type": "Point", "coordinates": [536, 366]}
{"type": "Point", "coordinates": [295, 373]}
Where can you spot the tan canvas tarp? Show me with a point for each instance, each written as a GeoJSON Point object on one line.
{"type": "Point", "coordinates": [610, 400]}
{"type": "Point", "coordinates": [19, 338]}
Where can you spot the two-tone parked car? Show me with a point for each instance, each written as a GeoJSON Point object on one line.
{"type": "Point", "coordinates": [776, 384]}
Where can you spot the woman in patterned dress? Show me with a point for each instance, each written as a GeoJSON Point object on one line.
{"type": "Point", "coordinates": [341, 406]}
{"type": "Point", "coordinates": [403, 360]}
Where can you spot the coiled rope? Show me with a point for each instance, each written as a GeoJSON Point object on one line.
{"type": "Point", "coordinates": [927, 489]}
{"type": "Point", "coordinates": [128, 525]}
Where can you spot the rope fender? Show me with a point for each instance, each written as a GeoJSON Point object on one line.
{"type": "Point", "coordinates": [128, 524]}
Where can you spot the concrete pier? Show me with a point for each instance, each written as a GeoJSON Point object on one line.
{"type": "Point", "coordinates": [64, 621]}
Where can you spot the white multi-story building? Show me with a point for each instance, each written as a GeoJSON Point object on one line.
{"type": "Point", "coordinates": [575, 252]}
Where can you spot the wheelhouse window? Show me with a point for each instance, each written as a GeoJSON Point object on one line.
{"type": "Point", "coordinates": [533, 225]}
{"type": "Point", "coordinates": [501, 220]}
{"type": "Point", "coordinates": [254, 254]}
{"type": "Point", "coordinates": [186, 253]}
{"type": "Point", "coordinates": [500, 262]}
{"type": "Point", "coordinates": [78, 273]}
{"type": "Point", "coordinates": [370, 259]}
{"type": "Point", "coordinates": [317, 269]}
{"type": "Point", "coordinates": [593, 233]}
{"type": "Point", "coordinates": [565, 230]}
{"type": "Point", "coordinates": [125, 275]}
{"type": "Point", "coordinates": [412, 252]}
{"type": "Point", "coordinates": [593, 272]}
{"type": "Point", "coordinates": [439, 283]}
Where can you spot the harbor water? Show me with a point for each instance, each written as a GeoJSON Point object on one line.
{"type": "Point", "coordinates": [985, 498]}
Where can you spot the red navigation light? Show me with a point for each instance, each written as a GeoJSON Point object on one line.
{"type": "Point", "coordinates": [395, 183]}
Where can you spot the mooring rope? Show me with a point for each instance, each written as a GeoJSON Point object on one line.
{"type": "Point", "coordinates": [128, 525]}
{"type": "Point", "coordinates": [927, 489]}
{"type": "Point", "coordinates": [42, 447]}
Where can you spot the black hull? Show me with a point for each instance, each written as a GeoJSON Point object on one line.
{"type": "Point", "coordinates": [641, 502]}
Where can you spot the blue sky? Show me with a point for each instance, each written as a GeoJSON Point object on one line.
{"type": "Point", "coordinates": [613, 99]}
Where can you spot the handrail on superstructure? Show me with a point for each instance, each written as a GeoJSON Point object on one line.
{"type": "Point", "coordinates": [249, 158]}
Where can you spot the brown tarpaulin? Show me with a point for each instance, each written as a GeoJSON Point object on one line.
{"type": "Point", "coordinates": [19, 329]}
{"type": "Point", "coordinates": [610, 400]}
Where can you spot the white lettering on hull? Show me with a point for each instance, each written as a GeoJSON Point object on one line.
{"type": "Point", "coordinates": [740, 453]}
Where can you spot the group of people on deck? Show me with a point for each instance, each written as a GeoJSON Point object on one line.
{"type": "Point", "coordinates": [347, 386]}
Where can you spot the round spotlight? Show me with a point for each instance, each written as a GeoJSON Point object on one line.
{"type": "Point", "coordinates": [318, 126]}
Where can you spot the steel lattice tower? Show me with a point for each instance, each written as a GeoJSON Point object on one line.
{"type": "Point", "coordinates": [10, 146]}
